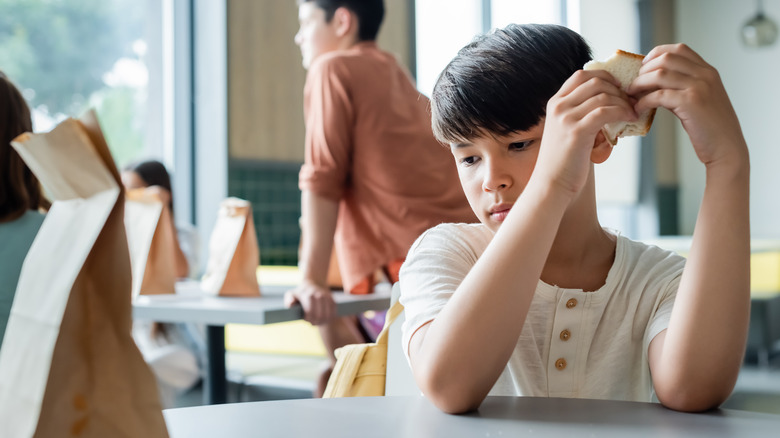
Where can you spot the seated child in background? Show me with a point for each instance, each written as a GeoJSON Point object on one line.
{"type": "Point", "coordinates": [21, 198]}
{"type": "Point", "coordinates": [171, 350]}
{"type": "Point", "coordinates": [153, 176]}
{"type": "Point", "coordinates": [539, 299]}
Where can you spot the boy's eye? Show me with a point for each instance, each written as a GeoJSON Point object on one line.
{"type": "Point", "coordinates": [468, 161]}
{"type": "Point", "coordinates": [520, 145]}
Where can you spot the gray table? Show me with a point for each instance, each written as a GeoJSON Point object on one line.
{"type": "Point", "coordinates": [411, 417]}
{"type": "Point", "coordinates": [190, 304]}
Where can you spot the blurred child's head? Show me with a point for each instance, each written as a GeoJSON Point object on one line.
{"type": "Point", "coordinates": [370, 14]}
{"type": "Point", "coordinates": [146, 174]}
{"type": "Point", "coordinates": [500, 83]}
{"type": "Point", "coordinates": [20, 188]}
{"type": "Point", "coordinates": [319, 34]}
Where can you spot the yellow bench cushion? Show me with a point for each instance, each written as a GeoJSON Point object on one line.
{"type": "Point", "coordinates": [765, 274]}
{"type": "Point", "coordinates": [294, 337]}
{"type": "Point", "coordinates": [764, 262]}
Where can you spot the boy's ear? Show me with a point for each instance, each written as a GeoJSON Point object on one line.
{"type": "Point", "coordinates": [344, 20]}
{"type": "Point", "coordinates": [601, 149]}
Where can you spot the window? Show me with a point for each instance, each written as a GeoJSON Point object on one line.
{"type": "Point", "coordinates": [440, 36]}
{"type": "Point", "coordinates": [441, 33]}
{"type": "Point", "coordinates": [69, 56]}
{"type": "Point", "coordinates": [504, 12]}
{"type": "Point", "coordinates": [128, 59]}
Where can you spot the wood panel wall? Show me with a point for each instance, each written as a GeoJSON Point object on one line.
{"type": "Point", "coordinates": [265, 76]}
{"type": "Point", "coordinates": [666, 172]}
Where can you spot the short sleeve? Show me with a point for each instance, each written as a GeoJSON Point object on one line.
{"type": "Point", "coordinates": [329, 118]}
{"type": "Point", "coordinates": [434, 268]}
{"type": "Point", "coordinates": [665, 302]}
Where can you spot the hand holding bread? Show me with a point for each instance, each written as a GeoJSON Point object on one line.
{"type": "Point", "coordinates": [624, 66]}
{"type": "Point", "coordinates": [677, 78]}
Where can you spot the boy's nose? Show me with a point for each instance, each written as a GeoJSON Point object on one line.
{"type": "Point", "coordinates": [495, 179]}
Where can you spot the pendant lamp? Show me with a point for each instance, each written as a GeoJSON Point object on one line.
{"type": "Point", "coordinates": [759, 31]}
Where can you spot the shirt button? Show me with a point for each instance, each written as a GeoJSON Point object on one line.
{"type": "Point", "coordinates": [565, 335]}
{"type": "Point", "coordinates": [571, 303]}
{"type": "Point", "coordinates": [560, 364]}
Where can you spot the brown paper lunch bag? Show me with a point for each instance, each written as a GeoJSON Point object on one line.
{"type": "Point", "coordinates": [234, 255]}
{"type": "Point", "coordinates": [68, 365]}
{"type": "Point", "coordinates": [150, 235]}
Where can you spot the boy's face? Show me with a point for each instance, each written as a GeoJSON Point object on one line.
{"type": "Point", "coordinates": [495, 170]}
{"type": "Point", "coordinates": [314, 36]}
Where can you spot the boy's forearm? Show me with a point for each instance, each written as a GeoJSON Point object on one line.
{"type": "Point", "coordinates": [318, 224]}
{"type": "Point", "coordinates": [705, 340]}
{"type": "Point", "coordinates": [465, 349]}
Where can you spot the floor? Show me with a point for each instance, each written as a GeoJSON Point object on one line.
{"type": "Point", "coordinates": [261, 377]}
{"type": "Point", "coordinates": [284, 377]}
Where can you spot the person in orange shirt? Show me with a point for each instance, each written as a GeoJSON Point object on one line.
{"type": "Point", "coordinates": [374, 177]}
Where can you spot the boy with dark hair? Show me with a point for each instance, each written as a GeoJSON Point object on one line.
{"type": "Point", "coordinates": [540, 300]}
{"type": "Point", "coordinates": [369, 13]}
{"type": "Point", "coordinates": [374, 177]}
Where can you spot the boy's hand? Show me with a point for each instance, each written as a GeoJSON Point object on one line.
{"type": "Point", "coordinates": [575, 115]}
{"type": "Point", "coordinates": [678, 79]}
{"type": "Point", "coordinates": [316, 301]}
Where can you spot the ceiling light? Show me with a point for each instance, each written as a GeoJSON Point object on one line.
{"type": "Point", "coordinates": [759, 31]}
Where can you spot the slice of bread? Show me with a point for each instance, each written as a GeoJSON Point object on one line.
{"type": "Point", "coordinates": [624, 66]}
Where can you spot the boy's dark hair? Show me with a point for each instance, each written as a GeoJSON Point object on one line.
{"type": "Point", "coordinates": [370, 14]}
{"type": "Point", "coordinates": [500, 83]}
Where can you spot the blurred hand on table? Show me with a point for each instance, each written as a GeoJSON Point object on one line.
{"type": "Point", "coordinates": [316, 301]}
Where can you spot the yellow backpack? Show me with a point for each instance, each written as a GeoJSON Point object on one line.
{"type": "Point", "coordinates": [361, 369]}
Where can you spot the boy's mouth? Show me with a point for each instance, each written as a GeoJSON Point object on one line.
{"type": "Point", "coordinates": [499, 212]}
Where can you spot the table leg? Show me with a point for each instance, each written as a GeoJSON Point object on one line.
{"type": "Point", "coordinates": [215, 388]}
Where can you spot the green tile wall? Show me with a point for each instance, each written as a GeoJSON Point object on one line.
{"type": "Point", "coordinates": [668, 211]}
{"type": "Point", "coordinates": [272, 188]}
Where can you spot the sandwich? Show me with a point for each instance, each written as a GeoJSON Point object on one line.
{"type": "Point", "coordinates": [624, 66]}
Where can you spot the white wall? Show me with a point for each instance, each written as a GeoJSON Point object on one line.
{"type": "Point", "coordinates": [752, 79]}
{"type": "Point", "coordinates": [617, 179]}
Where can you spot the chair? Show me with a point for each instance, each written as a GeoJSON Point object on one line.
{"type": "Point", "coordinates": [399, 379]}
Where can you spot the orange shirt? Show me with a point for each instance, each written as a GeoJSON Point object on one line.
{"type": "Point", "coordinates": [369, 146]}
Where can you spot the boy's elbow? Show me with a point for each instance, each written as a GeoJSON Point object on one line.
{"type": "Point", "coordinates": [448, 394]}
{"type": "Point", "coordinates": [453, 402]}
{"type": "Point", "coordinates": [695, 389]}
{"type": "Point", "coordinates": [693, 398]}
